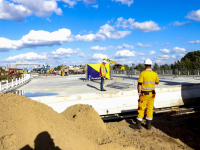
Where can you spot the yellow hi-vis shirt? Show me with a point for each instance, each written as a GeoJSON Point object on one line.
{"type": "Point", "coordinates": [148, 79]}
{"type": "Point", "coordinates": [102, 71]}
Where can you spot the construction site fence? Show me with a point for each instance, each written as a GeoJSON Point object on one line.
{"type": "Point", "coordinates": [169, 72]}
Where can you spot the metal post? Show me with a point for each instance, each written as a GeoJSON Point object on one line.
{"type": "Point", "coordinates": [188, 73]}
{"type": "Point", "coordinates": [163, 72]}
{"type": "Point", "coordinates": [179, 73]}
{"type": "Point", "coordinates": [12, 83]}
{"type": "Point", "coordinates": [171, 72]}
{"type": "Point", "coordinates": [198, 72]}
{"type": "Point", "coordinates": [6, 84]}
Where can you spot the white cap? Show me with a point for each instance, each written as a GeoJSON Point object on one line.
{"type": "Point", "coordinates": [104, 61]}
{"type": "Point", "coordinates": [147, 62]}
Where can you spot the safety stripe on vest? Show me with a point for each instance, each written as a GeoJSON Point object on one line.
{"type": "Point", "coordinates": [148, 88]}
{"type": "Point", "coordinates": [149, 82]}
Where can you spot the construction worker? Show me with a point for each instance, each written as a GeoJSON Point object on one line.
{"type": "Point", "coordinates": [102, 74]}
{"type": "Point", "coordinates": [47, 72]}
{"type": "Point", "coordinates": [146, 92]}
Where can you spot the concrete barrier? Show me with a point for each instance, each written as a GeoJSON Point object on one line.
{"type": "Point", "coordinates": [124, 101]}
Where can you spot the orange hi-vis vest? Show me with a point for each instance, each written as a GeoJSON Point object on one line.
{"type": "Point", "coordinates": [102, 71]}
{"type": "Point", "coordinates": [148, 79]}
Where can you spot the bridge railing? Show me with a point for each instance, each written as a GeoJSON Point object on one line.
{"type": "Point", "coordinates": [8, 85]}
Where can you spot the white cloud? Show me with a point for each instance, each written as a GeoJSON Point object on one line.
{"type": "Point", "coordinates": [95, 6]}
{"type": "Point", "coordinates": [177, 23]}
{"type": "Point", "coordinates": [124, 53]}
{"type": "Point", "coordinates": [20, 9]}
{"type": "Point", "coordinates": [178, 50]}
{"type": "Point", "coordinates": [166, 43]}
{"type": "Point", "coordinates": [7, 44]}
{"type": "Point", "coordinates": [90, 37]}
{"type": "Point", "coordinates": [173, 56]}
{"type": "Point", "coordinates": [105, 31]}
{"type": "Point", "coordinates": [127, 53]}
{"type": "Point", "coordinates": [147, 26]}
{"type": "Point", "coordinates": [162, 57]}
{"type": "Point", "coordinates": [152, 52]}
{"type": "Point", "coordinates": [98, 48]}
{"type": "Point", "coordinates": [110, 32]}
{"type": "Point", "coordinates": [127, 2]}
{"type": "Point", "coordinates": [27, 56]}
{"type": "Point", "coordinates": [44, 38]}
{"type": "Point", "coordinates": [81, 54]}
{"type": "Point", "coordinates": [62, 53]}
{"type": "Point", "coordinates": [37, 38]}
{"type": "Point", "coordinates": [142, 45]}
{"type": "Point", "coordinates": [125, 46]}
{"type": "Point", "coordinates": [71, 3]}
{"type": "Point", "coordinates": [194, 15]}
{"type": "Point", "coordinates": [99, 56]}
{"type": "Point", "coordinates": [194, 42]}
{"type": "Point", "coordinates": [181, 55]}
{"type": "Point", "coordinates": [128, 46]}
{"type": "Point", "coordinates": [165, 51]}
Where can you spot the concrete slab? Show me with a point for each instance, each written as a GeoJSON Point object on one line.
{"type": "Point", "coordinates": [73, 89]}
{"type": "Point", "coordinates": [76, 84]}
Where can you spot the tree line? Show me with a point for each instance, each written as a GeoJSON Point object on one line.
{"type": "Point", "coordinates": [190, 61]}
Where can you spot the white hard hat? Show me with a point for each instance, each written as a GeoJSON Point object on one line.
{"type": "Point", "coordinates": [104, 61]}
{"type": "Point", "coordinates": [147, 62]}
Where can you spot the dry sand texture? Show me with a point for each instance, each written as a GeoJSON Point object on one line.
{"type": "Point", "coordinates": [29, 125]}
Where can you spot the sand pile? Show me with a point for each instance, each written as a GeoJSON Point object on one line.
{"type": "Point", "coordinates": [24, 121]}
{"type": "Point", "coordinates": [88, 121]}
{"type": "Point", "coordinates": [29, 125]}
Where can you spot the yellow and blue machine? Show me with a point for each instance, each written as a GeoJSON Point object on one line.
{"type": "Point", "coordinates": [92, 71]}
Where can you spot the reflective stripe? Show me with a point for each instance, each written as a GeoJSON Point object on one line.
{"type": "Point", "coordinates": [149, 118]}
{"type": "Point", "coordinates": [148, 88]}
{"type": "Point", "coordinates": [140, 119]}
{"type": "Point", "coordinates": [149, 82]}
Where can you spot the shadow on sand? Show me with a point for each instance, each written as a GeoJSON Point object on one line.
{"type": "Point", "coordinates": [42, 142]}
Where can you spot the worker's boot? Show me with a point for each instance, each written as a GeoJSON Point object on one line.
{"type": "Point", "coordinates": [148, 124]}
{"type": "Point", "coordinates": [137, 126]}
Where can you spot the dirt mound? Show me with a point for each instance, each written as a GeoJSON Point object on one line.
{"type": "Point", "coordinates": [26, 125]}
{"type": "Point", "coordinates": [23, 121]}
{"type": "Point", "coordinates": [88, 121]}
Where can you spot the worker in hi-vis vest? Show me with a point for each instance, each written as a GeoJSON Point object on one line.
{"type": "Point", "coordinates": [102, 74]}
{"type": "Point", "coordinates": [146, 92]}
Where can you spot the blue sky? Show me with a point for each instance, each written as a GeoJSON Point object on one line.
{"type": "Point", "coordinates": [85, 31]}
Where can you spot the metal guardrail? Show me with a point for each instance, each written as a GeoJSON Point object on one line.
{"type": "Point", "coordinates": [169, 72]}
{"type": "Point", "coordinates": [6, 86]}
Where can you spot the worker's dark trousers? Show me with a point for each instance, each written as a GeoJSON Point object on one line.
{"type": "Point", "coordinates": [102, 81]}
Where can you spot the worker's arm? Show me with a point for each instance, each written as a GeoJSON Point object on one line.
{"type": "Point", "coordinates": [139, 87]}
{"type": "Point", "coordinates": [157, 80]}
{"type": "Point", "coordinates": [140, 81]}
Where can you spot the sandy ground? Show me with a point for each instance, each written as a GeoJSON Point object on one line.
{"type": "Point", "coordinates": [29, 125]}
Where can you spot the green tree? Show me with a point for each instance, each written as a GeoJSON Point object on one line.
{"type": "Point", "coordinates": [58, 67]}
{"type": "Point", "coordinates": [126, 67]}
{"type": "Point", "coordinates": [156, 67]}
{"type": "Point", "coordinates": [2, 69]}
{"type": "Point", "coordinates": [139, 67]}
{"type": "Point", "coordinates": [165, 67]}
